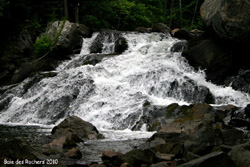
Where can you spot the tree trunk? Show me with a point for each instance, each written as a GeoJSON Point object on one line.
{"type": "Point", "coordinates": [171, 13]}
{"type": "Point", "coordinates": [66, 14]}
{"type": "Point", "coordinates": [165, 9]}
{"type": "Point", "coordinates": [195, 10]}
{"type": "Point", "coordinates": [181, 13]}
{"type": "Point", "coordinates": [77, 12]}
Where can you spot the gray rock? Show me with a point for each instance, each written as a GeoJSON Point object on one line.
{"type": "Point", "coordinates": [229, 19]}
{"type": "Point", "coordinates": [213, 56]}
{"type": "Point", "coordinates": [77, 126]}
{"type": "Point", "coordinates": [240, 155]}
{"type": "Point", "coordinates": [69, 38]}
{"type": "Point", "coordinates": [161, 27]}
{"type": "Point", "coordinates": [215, 159]}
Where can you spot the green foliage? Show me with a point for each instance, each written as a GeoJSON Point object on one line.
{"type": "Point", "coordinates": [129, 14]}
{"type": "Point", "coordinates": [42, 46]}
{"type": "Point", "coordinates": [36, 22]}
{"type": "Point", "coordinates": [3, 5]}
{"type": "Point", "coordinates": [59, 33]}
{"type": "Point", "coordinates": [115, 14]}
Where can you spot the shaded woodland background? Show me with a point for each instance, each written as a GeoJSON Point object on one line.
{"type": "Point", "coordinates": [102, 14]}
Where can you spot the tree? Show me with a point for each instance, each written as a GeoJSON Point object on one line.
{"type": "Point", "coordinates": [195, 11]}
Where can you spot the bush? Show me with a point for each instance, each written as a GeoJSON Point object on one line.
{"type": "Point", "coordinates": [42, 46]}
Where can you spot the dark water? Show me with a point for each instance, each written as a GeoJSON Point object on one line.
{"type": "Point", "coordinates": [91, 150]}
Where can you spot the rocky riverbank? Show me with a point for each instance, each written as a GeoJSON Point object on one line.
{"type": "Point", "coordinates": [195, 135]}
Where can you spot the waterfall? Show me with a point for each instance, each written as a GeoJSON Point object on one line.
{"type": "Point", "coordinates": [111, 93]}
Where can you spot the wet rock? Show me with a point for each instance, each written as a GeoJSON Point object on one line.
{"type": "Point", "coordinates": [232, 136]}
{"type": "Point", "coordinates": [126, 165]}
{"type": "Point", "coordinates": [94, 59]}
{"type": "Point", "coordinates": [77, 126]}
{"type": "Point", "coordinates": [181, 34]}
{"type": "Point", "coordinates": [74, 153]}
{"type": "Point", "coordinates": [221, 112]}
{"type": "Point", "coordinates": [240, 155]}
{"type": "Point", "coordinates": [247, 110]}
{"type": "Point", "coordinates": [241, 81]}
{"type": "Point", "coordinates": [204, 140]}
{"type": "Point", "coordinates": [121, 45]}
{"type": "Point", "coordinates": [164, 157]}
{"type": "Point", "coordinates": [160, 164]}
{"type": "Point", "coordinates": [215, 159]}
{"type": "Point", "coordinates": [227, 18]}
{"type": "Point", "coordinates": [97, 165]}
{"type": "Point", "coordinates": [143, 29]}
{"type": "Point", "coordinates": [67, 140]}
{"type": "Point", "coordinates": [137, 157]}
{"type": "Point", "coordinates": [179, 47]}
{"type": "Point", "coordinates": [213, 56]}
{"type": "Point", "coordinates": [190, 92]}
{"type": "Point", "coordinates": [115, 38]}
{"type": "Point", "coordinates": [161, 27]}
{"type": "Point", "coordinates": [105, 36]}
{"type": "Point", "coordinates": [109, 156]}
{"type": "Point", "coordinates": [83, 30]}
{"type": "Point", "coordinates": [197, 115]}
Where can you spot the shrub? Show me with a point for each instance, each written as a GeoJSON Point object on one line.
{"type": "Point", "coordinates": [42, 46]}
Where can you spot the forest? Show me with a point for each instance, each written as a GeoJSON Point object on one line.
{"type": "Point", "coordinates": [102, 14]}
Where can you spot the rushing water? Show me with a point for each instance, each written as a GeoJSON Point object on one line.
{"type": "Point", "coordinates": [111, 94]}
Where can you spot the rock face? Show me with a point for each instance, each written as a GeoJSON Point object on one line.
{"type": "Point", "coordinates": [213, 56]}
{"type": "Point", "coordinates": [229, 19]}
{"type": "Point", "coordinates": [68, 43]}
{"type": "Point", "coordinates": [110, 36]}
{"type": "Point", "coordinates": [241, 81]}
{"type": "Point", "coordinates": [15, 49]}
{"type": "Point", "coordinates": [69, 39]}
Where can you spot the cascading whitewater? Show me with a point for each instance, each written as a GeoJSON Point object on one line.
{"type": "Point", "coordinates": [111, 94]}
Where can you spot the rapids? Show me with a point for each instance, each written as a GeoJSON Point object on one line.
{"type": "Point", "coordinates": [111, 94]}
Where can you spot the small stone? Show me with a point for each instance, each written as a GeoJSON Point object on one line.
{"type": "Point", "coordinates": [74, 153]}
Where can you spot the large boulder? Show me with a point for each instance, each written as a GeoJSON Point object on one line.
{"type": "Point", "coordinates": [109, 41]}
{"type": "Point", "coordinates": [215, 159]}
{"type": "Point", "coordinates": [229, 19]}
{"type": "Point", "coordinates": [240, 155]}
{"type": "Point", "coordinates": [241, 81]}
{"type": "Point", "coordinates": [161, 27]}
{"type": "Point", "coordinates": [213, 56]}
{"type": "Point", "coordinates": [71, 131]}
{"type": "Point", "coordinates": [77, 126]}
{"type": "Point", "coordinates": [69, 39]}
